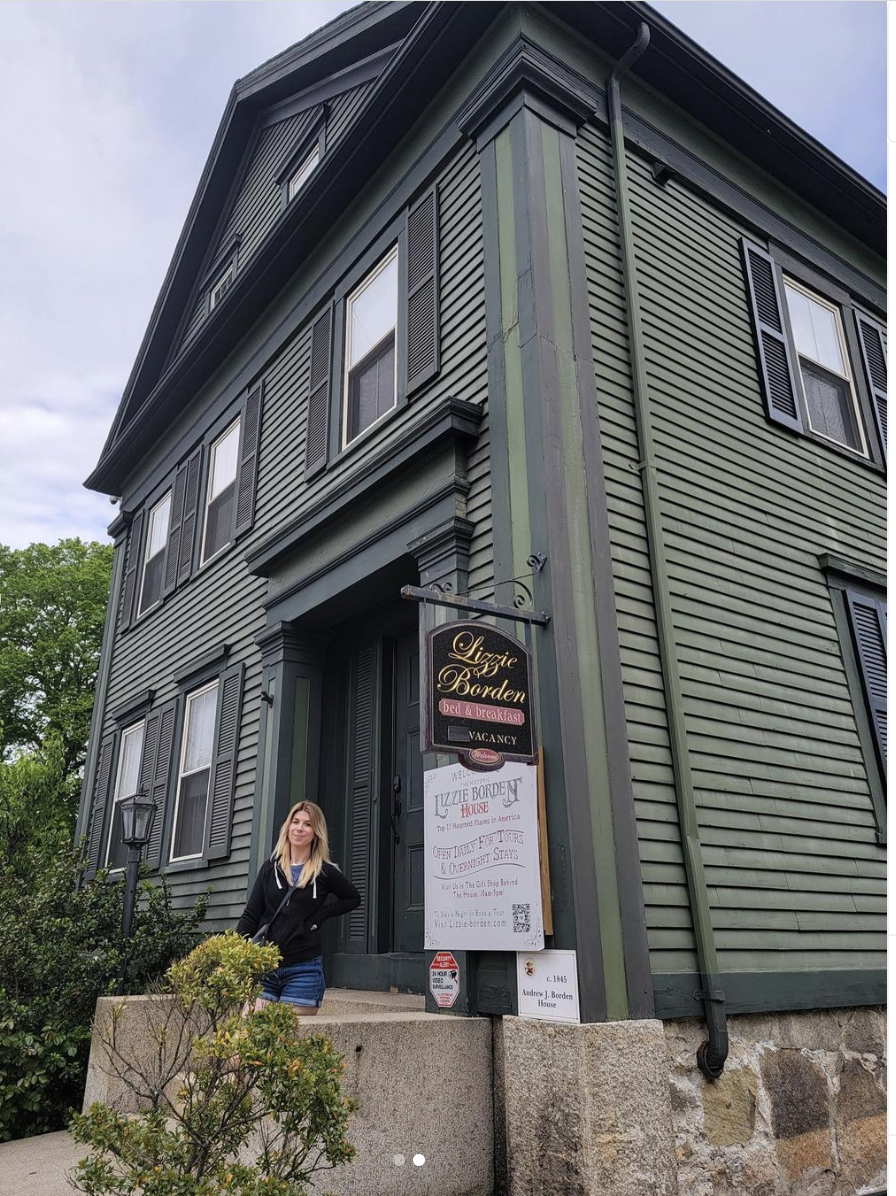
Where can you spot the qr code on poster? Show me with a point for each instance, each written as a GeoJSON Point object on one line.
{"type": "Point", "coordinates": [522, 919]}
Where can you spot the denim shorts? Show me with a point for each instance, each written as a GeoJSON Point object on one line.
{"type": "Point", "coordinates": [299, 984]}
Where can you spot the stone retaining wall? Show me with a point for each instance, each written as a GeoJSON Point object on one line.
{"type": "Point", "coordinates": [799, 1111]}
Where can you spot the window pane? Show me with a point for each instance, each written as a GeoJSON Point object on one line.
{"type": "Point", "coordinates": [191, 804]}
{"type": "Point", "coordinates": [219, 522]}
{"type": "Point", "coordinates": [224, 456]}
{"type": "Point", "coordinates": [200, 730]}
{"type": "Point", "coordinates": [221, 288]}
{"type": "Point", "coordinates": [157, 535]}
{"type": "Point", "coordinates": [126, 783]}
{"type": "Point", "coordinates": [373, 312]}
{"type": "Point", "coordinates": [129, 767]}
{"type": "Point", "coordinates": [814, 330]}
{"type": "Point", "coordinates": [830, 406]}
{"type": "Point", "coordinates": [298, 179]}
{"type": "Point", "coordinates": [371, 390]}
{"type": "Point", "coordinates": [153, 575]}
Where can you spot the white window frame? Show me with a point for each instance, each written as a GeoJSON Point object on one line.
{"type": "Point", "coordinates": [141, 609]}
{"type": "Point", "coordinates": [191, 697]}
{"type": "Point", "coordinates": [814, 297]}
{"type": "Point", "coordinates": [381, 266]}
{"type": "Point", "coordinates": [220, 288]}
{"type": "Point", "coordinates": [234, 424]}
{"type": "Point", "coordinates": [303, 173]}
{"type": "Point", "coordinates": [118, 795]}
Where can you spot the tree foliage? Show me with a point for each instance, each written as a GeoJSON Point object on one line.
{"type": "Point", "coordinates": [233, 1101]}
{"type": "Point", "coordinates": [60, 949]}
{"type": "Point", "coordinates": [52, 610]}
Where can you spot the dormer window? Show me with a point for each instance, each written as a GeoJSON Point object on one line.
{"type": "Point", "coordinates": [221, 287]}
{"type": "Point", "coordinates": [300, 177]}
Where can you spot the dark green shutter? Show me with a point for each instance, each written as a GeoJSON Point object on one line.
{"type": "Point", "coordinates": [191, 516]}
{"type": "Point", "coordinates": [874, 359]}
{"type": "Point", "coordinates": [250, 433]}
{"type": "Point", "coordinates": [222, 781]}
{"type": "Point", "coordinates": [423, 291]}
{"type": "Point", "coordinates": [175, 527]}
{"type": "Point", "coordinates": [869, 629]}
{"type": "Point", "coordinates": [132, 571]}
{"type": "Point", "coordinates": [777, 359]}
{"type": "Point", "coordinates": [101, 791]}
{"type": "Point", "coordinates": [318, 426]}
{"type": "Point", "coordinates": [155, 773]}
{"type": "Point", "coordinates": [361, 773]}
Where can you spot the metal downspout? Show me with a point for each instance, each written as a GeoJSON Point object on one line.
{"type": "Point", "coordinates": [711, 1055]}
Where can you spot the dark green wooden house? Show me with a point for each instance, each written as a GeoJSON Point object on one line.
{"type": "Point", "coordinates": [451, 294]}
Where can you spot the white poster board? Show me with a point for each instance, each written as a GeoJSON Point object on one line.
{"type": "Point", "coordinates": [482, 881]}
{"type": "Point", "coordinates": [548, 986]}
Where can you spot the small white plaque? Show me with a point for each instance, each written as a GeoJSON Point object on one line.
{"type": "Point", "coordinates": [548, 985]}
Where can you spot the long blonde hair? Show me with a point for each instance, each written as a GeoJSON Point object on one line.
{"type": "Point", "coordinates": [320, 845]}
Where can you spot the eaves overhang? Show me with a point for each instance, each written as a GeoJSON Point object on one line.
{"type": "Point", "coordinates": [701, 86]}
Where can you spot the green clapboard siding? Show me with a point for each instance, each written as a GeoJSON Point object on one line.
{"type": "Point", "coordinates": [158, 648]}
{"type": "Point", "coordinates": [795, 873]}
{"type": "Point", "coordinates": [671, 948]}
{"type": "Point", "coordinates": [282, 493]}
{"type": "Point", "coordinates": [256, 205]}
{"type": "Point", "coordinates": [195, 619]}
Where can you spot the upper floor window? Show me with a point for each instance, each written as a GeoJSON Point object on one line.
{"type": "Point", "coordinates": [154, 554]}
{"type": "Point", "coordinates": [193, 774]}
{"type": "Point", "coordinates": [826, 382]}
{"type": "Point", "coordinates": [221, 493]}
{"type": "Point", "coordinates": [370, 326]}
{"type": "Point", "coordinates": [221, 287]}
{"type": "Point", "coordinates": [298, 179]}
{"type": "Point", "coordinates": [822, 361]}
{"type": "Point", "coordinates": [127, 781]}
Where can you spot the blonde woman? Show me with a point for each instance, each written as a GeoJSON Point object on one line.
{"type": "Point", "coordinates": [301, 857]}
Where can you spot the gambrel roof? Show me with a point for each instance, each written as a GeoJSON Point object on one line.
{"type": "Point", "coordinates": [405, 51]}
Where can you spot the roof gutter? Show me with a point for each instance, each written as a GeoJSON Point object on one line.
{"type": "Point", "coordinates": [711, 1055]}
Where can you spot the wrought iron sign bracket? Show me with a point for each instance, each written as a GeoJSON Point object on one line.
{"type": "Point", "coordinates": [438, 596]}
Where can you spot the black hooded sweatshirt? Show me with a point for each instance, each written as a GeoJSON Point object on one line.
{"type": "Point", "coordinates": [306, 907]}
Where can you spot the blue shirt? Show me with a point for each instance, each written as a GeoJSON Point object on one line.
{"type": "Point", "coordinates": [296, 871]}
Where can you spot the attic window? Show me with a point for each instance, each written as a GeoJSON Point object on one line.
{"type": "Point", "coordinates": [300, 177]}
{"type": "Point", "coordinates": [220, 288]}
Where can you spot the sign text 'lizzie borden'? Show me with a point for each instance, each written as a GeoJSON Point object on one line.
{"type": "Point", "coordinates": [479, 700]}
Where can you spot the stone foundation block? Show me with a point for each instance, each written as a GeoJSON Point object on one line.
{"type": "Point", "coordinates": [586, 1110]}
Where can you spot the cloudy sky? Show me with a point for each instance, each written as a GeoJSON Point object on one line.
{"type": "Point", "coordinates": [107, 112]}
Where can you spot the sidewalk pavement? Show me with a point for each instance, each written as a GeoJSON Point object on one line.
{"type": "Point", "coordinates": [38, 1166]}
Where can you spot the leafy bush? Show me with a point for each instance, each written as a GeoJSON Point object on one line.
{"type": "Point", "coordinates": [234, 1098]}
{"type": "Point", "coordinates": [60, 949]}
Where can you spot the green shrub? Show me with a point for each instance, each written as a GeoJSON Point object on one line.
{"type": "Point", "coordinates": [235, 1100]}
{"type": "Point", "coordinates": [60, 949]}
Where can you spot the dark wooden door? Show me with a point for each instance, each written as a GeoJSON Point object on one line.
{"type": "Point", "coordinates": [407, 799]}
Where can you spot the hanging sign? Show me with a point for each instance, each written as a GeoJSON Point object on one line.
{"type": "Point", "coordinates": [444, 979]}
{"type": "Point", "coordinates": [482, 882]}
{"type": "Point", "coordinates": [548, 986]}
{"type": "Point", "coordinates": [479, 700]}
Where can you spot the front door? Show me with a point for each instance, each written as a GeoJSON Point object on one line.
{"type": "Point", "coordinates": [407, 798]}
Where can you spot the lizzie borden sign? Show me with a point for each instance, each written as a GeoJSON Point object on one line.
{"type": "Point", "coordinates": [479, 699]}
